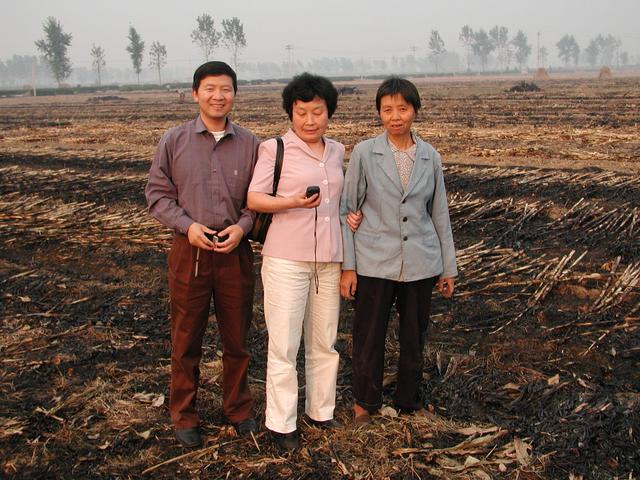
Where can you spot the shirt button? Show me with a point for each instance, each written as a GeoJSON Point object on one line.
{"type": "Point", "coordinates": [326, 219]}
{"type": "Point", "coordinates": [404, 219]}
{"type": "Point", "coordinates": [405, 238]}
{"type": "Point", "coordinates": [325, 182]}
{"type": "Point", "coordinates": [321, 165]}
{"type": "Point", "coordinates": [326, 200]}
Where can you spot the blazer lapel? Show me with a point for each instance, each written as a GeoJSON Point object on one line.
{"type": "Point", "coordinates": [420, 167]}
{"type": "Point", "coordinates": [385, 161]}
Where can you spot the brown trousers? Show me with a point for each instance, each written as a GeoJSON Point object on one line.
{"type": "Point", "coordinates": [229, 278]}
{"type": "Point", "coordinates": [374, 300]}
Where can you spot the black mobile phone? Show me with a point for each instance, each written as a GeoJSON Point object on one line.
{"type": "Point", "coordinates": [312, 190]}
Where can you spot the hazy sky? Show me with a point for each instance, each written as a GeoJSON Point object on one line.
{"type": "Point", "coordinates": [327, 28]}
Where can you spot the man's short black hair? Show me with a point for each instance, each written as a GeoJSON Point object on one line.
{"type": "Point", "coordinates": [305, 87]}
{"type": "Point", "coordinates": [214, 68]}
{"type": "Point", "coordinates": [399, 86]}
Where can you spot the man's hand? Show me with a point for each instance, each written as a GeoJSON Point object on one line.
{"type": "Point", "coordinates": [196, 237]}
{"type": "Point", "coordinates": [348, 284]}
{"type": "Point", "coordinates": [235, 233]}
{"type": "Point", "coordinates": [354, 219]}
{"type": "Point", "coordinates": [445, 286]}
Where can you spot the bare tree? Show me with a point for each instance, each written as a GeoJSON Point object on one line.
{"type": "Point", "coordinates": [592, 51]}
{"type": "Point", "coordinates": [205, 35]}
{"type": "Point", "coordinates": [544, 55]}
{"type": "Point", "coordinates": [233, 38]}
{"type": "Point", "coordinates": [136, 51]}
{"type": "Point", "coordinates": [523, 49]}
{"type": "Point", "coordinates": [97, 61]}
{"type": "Point", "coordinates": [500, 38]}
{"type": "Point", "coordinates": [568, 49]}
{"type": "Point", "coordinates": [482, 46]}
{"type": "Point", "coordinates": [466, 37]}
{"type": "Point", "coordinates": [158, 58]}
{"type": "Point", "coordinates": [609, 47]}
{"type": "Point", "coordinates": [54, 48]}
{"type": "Point", "coordinates": [624, 58]}
{"type": "Point", "coordinates": [436, 45]}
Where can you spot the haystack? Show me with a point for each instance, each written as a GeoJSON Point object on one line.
{"type": "Point", "coordinates": [605, 73]}
{"type": "Point", "coordinates": [541, 74]}
{"type": "Point", "coordinates": [525, 87]}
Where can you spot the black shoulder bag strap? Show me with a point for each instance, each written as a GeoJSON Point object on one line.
{"type": "Point", "coordinates": [277, 169]}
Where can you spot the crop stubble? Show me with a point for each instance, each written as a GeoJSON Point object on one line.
{"type": "Point", "coordinates": [532, 369]}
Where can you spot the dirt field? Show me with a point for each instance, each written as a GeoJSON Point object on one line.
{"type": "Point", "coordinates": [533, 369]}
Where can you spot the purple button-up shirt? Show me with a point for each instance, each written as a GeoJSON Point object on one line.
{"type": "Point", "coordinates": [193, 178]}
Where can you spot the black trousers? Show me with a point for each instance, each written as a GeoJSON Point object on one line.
{"type": "Point", "coordinates": [374, 299]}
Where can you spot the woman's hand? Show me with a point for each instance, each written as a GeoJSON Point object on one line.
{"type": "Point", "coordinates": [445, 286]}
{"type": "Point", "coordinates": [354, 219]}
{"type": "Point", "coordinates": [262, 202]}
{"type": "Point", "coordinates": [348, 284]}
{"type": "Point", "coordinates": [301, 201]}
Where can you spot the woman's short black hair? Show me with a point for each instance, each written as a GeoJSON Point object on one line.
{"type": "Point", "coordinates": [305, 87]}
{"type": "Point", "coordinates": [214, 68]}
{"type": "Point", "coordinates": [399, 86]}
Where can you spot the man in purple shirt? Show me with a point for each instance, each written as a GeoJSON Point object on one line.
{"type": "Point", "coordinates": [198, 186]}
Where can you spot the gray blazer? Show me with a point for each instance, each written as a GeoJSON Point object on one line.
{"type": "Point", "coordinates": [404, 236]}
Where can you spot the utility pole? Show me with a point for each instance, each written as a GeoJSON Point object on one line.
{"type": "Point", "coordinates": [538, 47]}
{"type": "Point", "coordinates": [289, 49]}
{"type": "Point", "coordinates": [33, 77]}
{"type": "Point", "coordinates": [413, 50]}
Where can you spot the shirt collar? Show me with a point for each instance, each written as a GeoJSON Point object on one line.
{"type": "Point", "coordinates": [411, 151]}
{"type": "Point", "coordinates": [293, 137]}
{"type": "Point", "coordinates": [229, 128]}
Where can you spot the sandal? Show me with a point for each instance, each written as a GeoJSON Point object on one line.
{"type": "Point", "coordinates": [361, 415]}
{"type": "Point", "coordinates": [362, 419]}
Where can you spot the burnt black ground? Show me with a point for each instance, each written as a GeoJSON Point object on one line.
{"type": "Point", "coordinates": [83, 310]}
{"type": "Point", "coordinates": [127, 289]}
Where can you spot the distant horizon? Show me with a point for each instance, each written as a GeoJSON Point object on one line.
{"type": "Point", "coordinates": [358, 32]}
{"type": "Point", "coordinates": [558, 74]}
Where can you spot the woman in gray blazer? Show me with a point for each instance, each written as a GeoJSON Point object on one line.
{"type": "Point", "coordinates": [403, 248]}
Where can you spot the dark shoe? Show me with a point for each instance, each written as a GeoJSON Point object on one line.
{"type": "Point", "coordinates": [246, 426]}
{"type": "Point", "coordinates": [328, 424]}
{"type": "Point", "coordinates": [286, 441]}
{"type": "Point", "coordinates": [406, 410]}
{"type": "Point", "coordinates": [189, 437]}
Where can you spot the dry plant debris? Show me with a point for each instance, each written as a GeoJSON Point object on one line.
{"type": "Point", "coordinates": [532, 370]}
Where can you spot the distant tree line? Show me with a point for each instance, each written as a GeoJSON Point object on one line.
{"type": "Point", "coordinates": [494, 49]}
{"type": "Point", "coordinates": [55, 43]}
{"type": "Point", "coordinates": [20, 70]}
{"type": "Point", "coordinates": [479, 44]}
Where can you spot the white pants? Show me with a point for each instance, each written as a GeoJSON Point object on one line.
{"type": "Point", "coordinates": [291, 302]}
